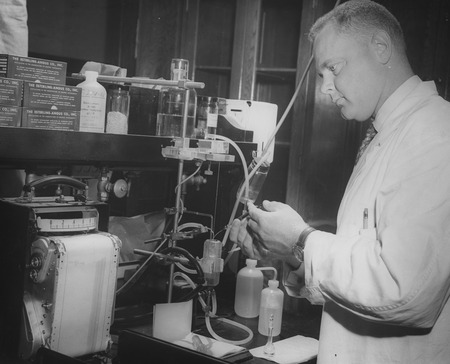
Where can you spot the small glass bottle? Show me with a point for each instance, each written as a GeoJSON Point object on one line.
{"type": "Point", "coordinates": [117, 109]}
{"type": "Point", "coordinates": [172, 103]}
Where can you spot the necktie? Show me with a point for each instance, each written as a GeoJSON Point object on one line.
{"type": "Point", "coordinates": [370, 133]}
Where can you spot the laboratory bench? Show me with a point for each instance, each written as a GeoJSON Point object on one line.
{"type": "Point", "coordinates": [305, 324]}
{"type": "Point", "coordinates": [292, 324]}
{"type": "Point", "coordinates": [22, 148]}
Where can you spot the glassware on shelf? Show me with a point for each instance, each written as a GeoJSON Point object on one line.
{"type": "Point", "coordinates": [174, 102]}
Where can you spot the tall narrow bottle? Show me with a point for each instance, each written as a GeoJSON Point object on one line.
{"type": "Point", "coordinates": [93, 104]}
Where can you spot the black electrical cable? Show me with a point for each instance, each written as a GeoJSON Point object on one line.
{"type": "Point", "coordinates": [200, 280]}
{"type": "Point", "coordinates": [143, 267]}
{"type": "Point", "coordinates": [175, 249]}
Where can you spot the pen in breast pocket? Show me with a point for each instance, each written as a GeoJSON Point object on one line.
{"type": "Point", "coordinates": [366, 218]}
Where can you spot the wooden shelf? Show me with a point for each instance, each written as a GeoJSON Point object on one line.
{"type": "Point", "coordinates": [23, 147]}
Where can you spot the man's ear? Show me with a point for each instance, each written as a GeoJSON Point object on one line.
{"type": "Point", "coordinates": [381, 44]}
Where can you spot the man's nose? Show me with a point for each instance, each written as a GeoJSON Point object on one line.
{"type": "Point", "coordinates": [327, 86]}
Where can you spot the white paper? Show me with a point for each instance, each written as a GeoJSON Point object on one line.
{"type": "Point", "coordinates": [296, 349]}
{"type": "Point", "coordinates": [208, 345]}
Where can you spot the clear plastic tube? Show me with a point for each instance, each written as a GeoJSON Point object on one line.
{"type": "Point", "coordinates": [181, 228]}
{"type": "Point", "coordinates": [236, 205]}
{"type": "Point", "coordinates": [264, 155]}
{"type": "Point", "coordinates": [212, 314]}
{"type": "Point", "coordinates": [241, 155]}
{"type": "Point", "coordinates": [188, 178]}
{"type": "Point", "coordinates": [237, 324]}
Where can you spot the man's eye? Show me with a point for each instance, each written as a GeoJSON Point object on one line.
{"type": "Point", "coordinates": [335, 68]}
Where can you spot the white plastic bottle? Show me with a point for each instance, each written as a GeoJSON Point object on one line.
{"type": "Point", "coordinates": [271, 304]}
{"type": "Point", "coordinates": [249, 285]}
{"type": "Point", "coordinates": [93, 104]}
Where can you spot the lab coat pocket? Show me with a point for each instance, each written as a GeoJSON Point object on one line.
{"type": "Point", "coordinates": [370, 233]}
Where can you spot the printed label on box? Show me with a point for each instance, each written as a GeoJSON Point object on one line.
{"type": "Point", "coordinates": [10, 91]}
{"type": "Point", "coordinates": [10, 115]}
{"type": "Point", "coordinates": [51, 96]}
{"type": "Point", "coordinates": [33, 69]}
{"type": "Point", "coordinates": [50, 119]}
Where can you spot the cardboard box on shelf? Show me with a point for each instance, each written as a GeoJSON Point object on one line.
{"type": "Point", "coordinates": [10, 115]}
{"type": "Point", "coordinates": [11, 92]}
{"type": "Point", "coordinates": [50, 119]}
{"type": "Point", "coordinates": [33, 69]}
{"type": "Point", "coordinates": [51, 96]}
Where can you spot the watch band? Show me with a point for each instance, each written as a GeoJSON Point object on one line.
{"type": "Point", "coordinates": [299, 245]}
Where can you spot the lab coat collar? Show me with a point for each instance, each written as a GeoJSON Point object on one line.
{"type": "Point", "coordinates": [394, 101]}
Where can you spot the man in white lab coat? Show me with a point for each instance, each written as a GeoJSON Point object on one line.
{"type": "Point", "coordinates": [384, 277]}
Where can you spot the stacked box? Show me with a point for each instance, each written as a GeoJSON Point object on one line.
{"type": "Point", "coordinates": [10, 115]}
{"type": "Point", "coordinates": [10, 101]}
{"type": "Point", "coordinates": [33, 69]}
{"type": "Point", "coordinates": [33, 94]}
{"type": "Point", "coordinates": [51, 106]}
{"type": "Point", "coordinates": [51, 119]}
{"type": "Point", "coordinates": [51, 97]}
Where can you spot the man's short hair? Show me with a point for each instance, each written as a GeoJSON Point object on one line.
{"type": "Point", "coordinates": [361, 18]}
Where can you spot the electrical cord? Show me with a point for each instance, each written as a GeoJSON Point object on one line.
{"type": "Point", "coordinates": [181, 228]}
{"type": "Point", "coordinates": [190, 257]}
{"type": "Point", "coordinates": [127, 285]}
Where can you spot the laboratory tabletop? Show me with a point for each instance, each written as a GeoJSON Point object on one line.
{"type": "Point", "coordinates": [305, 324]}
{"type": "Point", "coordinates": [292, 324]}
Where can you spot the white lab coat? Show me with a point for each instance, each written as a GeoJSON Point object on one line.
{"type": "Point", "coordinates": [385, 288]}
{"type": "Point", "coordinates": [13, 27]}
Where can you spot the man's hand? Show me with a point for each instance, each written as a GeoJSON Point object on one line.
{"type": "Point", "coordinates": [274, 229]}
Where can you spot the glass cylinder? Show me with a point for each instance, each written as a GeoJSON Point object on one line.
{"type": "Point", "coordinates": [172, 105]}
{"type": "Point", "coordinates": [207, 114]}
{"type": "Point", "coordinates": [256, 182]}
{"type": "Point", "coordinates": [171, 110]}
{"type": "Point", "coordinates": [179, 69]}
{"type": "Point", "coordinates": [117, 109]}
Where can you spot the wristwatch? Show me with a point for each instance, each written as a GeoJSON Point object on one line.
{"type": "Point", "coordinates": [299, 245]}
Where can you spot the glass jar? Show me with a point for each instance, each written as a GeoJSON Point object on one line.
{"type": "Point", "coordinates": [117, 109]}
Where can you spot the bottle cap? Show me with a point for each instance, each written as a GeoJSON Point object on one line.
{"type": "Point", "coordinates": [251, 263]}
{"type": "Point", "coordinates": [273, 283]}
{"type": "Point", "coordinates": [91, 74]}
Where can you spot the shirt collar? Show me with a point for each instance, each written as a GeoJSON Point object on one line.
{"type": "Point", "coordinates": [394, 101]}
